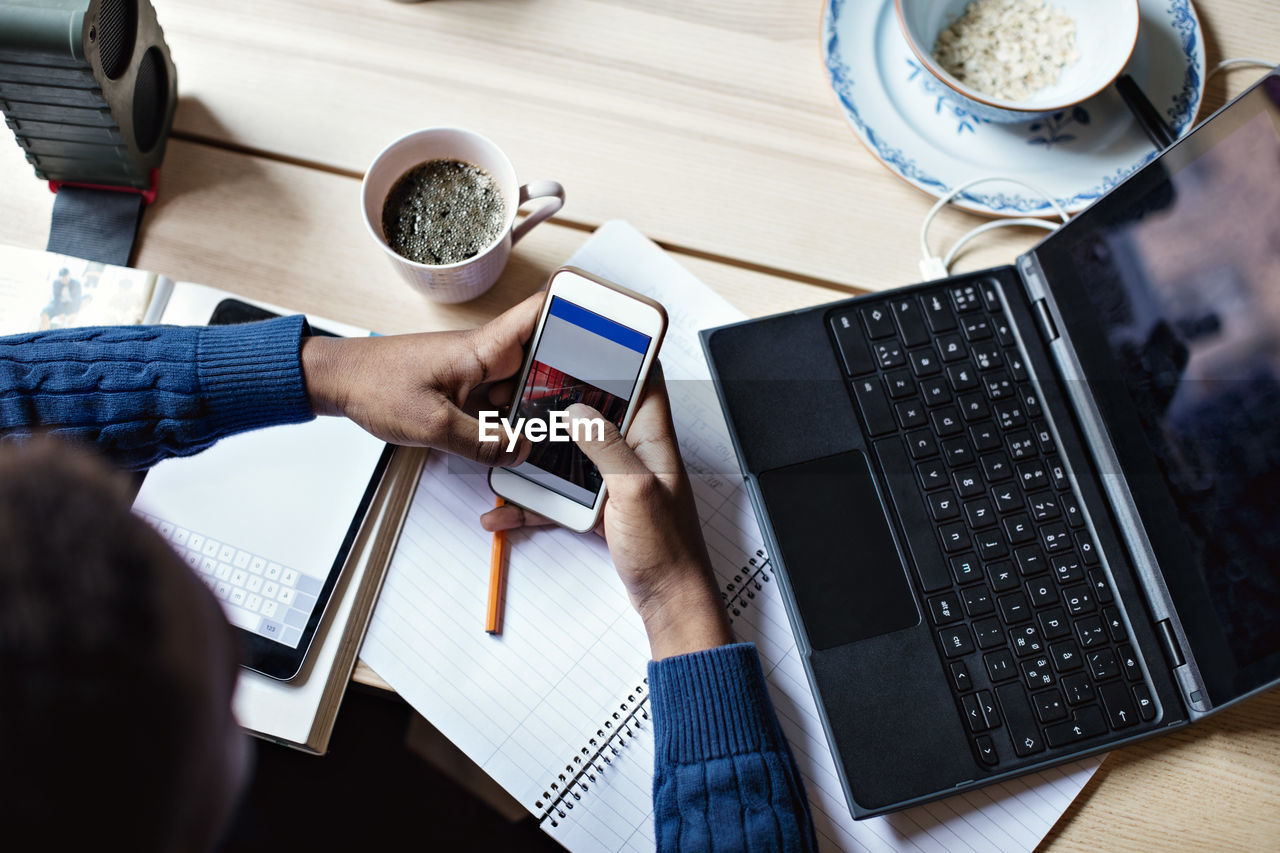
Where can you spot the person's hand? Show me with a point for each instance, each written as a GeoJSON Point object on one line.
{"type": "Point", "coordinates": [423, 389]}
{"type": "Point", "coordinates": [651, 525]}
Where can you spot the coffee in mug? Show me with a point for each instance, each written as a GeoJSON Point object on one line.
{"type": "Point", "coordinates": [433, 196]}
{"type": "Point", "coordinates": [443, 211]}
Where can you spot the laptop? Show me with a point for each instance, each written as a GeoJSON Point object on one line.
{"type": "Point", "coordinates": [1028, 514]}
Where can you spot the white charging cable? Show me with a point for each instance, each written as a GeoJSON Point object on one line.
{"type": "Point", "coordinates": [934, 266]}
{"type": "Point", "coordinates": [1226, 64]}
{"type": "Point", "coordinates": [1234, 63]}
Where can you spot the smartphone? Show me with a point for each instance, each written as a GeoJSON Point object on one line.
{"type": "Point", "coordinates": [594, 343]}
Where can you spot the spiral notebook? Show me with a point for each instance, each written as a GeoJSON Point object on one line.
{"type": "Point", "coordinates": [556, 709]}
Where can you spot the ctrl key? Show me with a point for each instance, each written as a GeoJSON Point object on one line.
{"type": "Point", "coordinates": [956, 641]}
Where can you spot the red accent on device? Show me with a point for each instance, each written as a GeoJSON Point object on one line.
{"type": "Point", "coordinates": [148, 195]}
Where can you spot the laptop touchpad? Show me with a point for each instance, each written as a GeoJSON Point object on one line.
{"type": "Point", "coordinates": [841, 560]}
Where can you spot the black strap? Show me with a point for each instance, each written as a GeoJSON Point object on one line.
{"type": "Point", "coordinates": [97, 225]}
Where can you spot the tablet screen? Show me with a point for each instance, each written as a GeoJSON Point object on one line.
{"type": "Point", "coordinates": [266, 520]}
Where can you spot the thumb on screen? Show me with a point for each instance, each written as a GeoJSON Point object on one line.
{"type": "Point", "coordinates": [606, 448]}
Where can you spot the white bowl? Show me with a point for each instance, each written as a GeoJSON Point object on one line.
{"type": "Point", "coordinates": [1106, 32]}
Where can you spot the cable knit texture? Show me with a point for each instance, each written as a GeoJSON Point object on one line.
{"type": "Point", "coordinates": [724, 777]}
{"type": "Point", "coordinates": [143, 393]}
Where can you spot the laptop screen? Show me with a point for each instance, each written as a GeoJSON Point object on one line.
{"type": "Point", "coordinates": [1174, 308]}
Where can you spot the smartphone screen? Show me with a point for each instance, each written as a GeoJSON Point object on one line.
{"type": "Point", "coordinates": [580, 357]}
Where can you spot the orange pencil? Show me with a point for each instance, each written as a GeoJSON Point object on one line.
{"type": "Point", "coordinates": [497, 580]}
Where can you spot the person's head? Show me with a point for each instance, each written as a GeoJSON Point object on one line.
{"type": "Point", "coordinates": [116, 669]}
{"type": "Point", "coordinates": [64, 272]}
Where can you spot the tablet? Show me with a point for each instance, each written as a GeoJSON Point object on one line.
{"type": "Point", "coordinates": [267, 519]}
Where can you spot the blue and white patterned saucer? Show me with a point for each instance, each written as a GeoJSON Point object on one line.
{"type": "Point", "coordinates": [901, 113]}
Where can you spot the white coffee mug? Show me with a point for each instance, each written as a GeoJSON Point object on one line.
{"type": "Point", "coordinates": [467, 279]}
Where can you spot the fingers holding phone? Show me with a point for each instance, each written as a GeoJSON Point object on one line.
{"type": "Point", "coordinates": [594, 344]}
{"type": "Point", "coordinates": [499, 344]}
{"type": "Point", "coordinates": [651, 524]}
{"type": "Point", "coordinates": [424, 389]}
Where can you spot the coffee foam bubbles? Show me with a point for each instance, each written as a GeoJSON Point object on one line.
{"type": "Point", "coordinates": [443, 212]}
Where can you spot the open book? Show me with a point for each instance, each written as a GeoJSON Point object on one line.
{"type": "Point", "coordinates": [273, 510]}
{"type": "Point", "coordinates": [556, 710]}
{"type": "Point", "coordinates": [43, 290]}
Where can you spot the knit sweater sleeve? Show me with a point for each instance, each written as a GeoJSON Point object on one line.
{"type": "Point", "coordinates": [144, 393]}
{"type": "Point", "coordinates": [724, 777]}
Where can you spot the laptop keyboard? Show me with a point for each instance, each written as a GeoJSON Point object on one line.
{"type": "Point", "coordinates": [1026, 623]}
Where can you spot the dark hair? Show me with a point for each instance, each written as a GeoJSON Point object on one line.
{"type": "Point", "coordinates": [93, 721]}
{"type": "Point", "coordinates": [63, 271]}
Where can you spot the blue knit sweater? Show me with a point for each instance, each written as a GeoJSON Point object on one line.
{"type": "Point", "coordinates": [724, 778]}
{"type": "Point", "coordinates": [144, 393]}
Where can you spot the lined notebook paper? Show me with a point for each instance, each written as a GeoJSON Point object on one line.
{"type": "Point", "coordinates": [556, 708]}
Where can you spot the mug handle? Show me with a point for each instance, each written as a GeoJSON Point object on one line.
{"type": "Point", "coordinates": [538, 189]}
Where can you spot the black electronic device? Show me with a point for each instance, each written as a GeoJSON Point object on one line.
{"type": "Point", "coordinates": [277, 645]}
{"type": "Point", "coordinates": [88, 89]}
{"type": "Point", "coordinates": [1030, 514]}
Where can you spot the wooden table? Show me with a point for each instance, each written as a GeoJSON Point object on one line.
{"type": "Point", "coordinates": [708, 125]}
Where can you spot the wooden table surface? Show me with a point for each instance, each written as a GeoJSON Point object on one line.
{"type": "Point", "coordinates": [708, 125]}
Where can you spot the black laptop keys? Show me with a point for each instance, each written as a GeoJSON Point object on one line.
{"type": "Point", "coordinates": [1030, 639]}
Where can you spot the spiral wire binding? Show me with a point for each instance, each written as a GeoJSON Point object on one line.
{"type": "Point", "coordinates": [740, 592]}
{"type": "Point", "coordinates": [592, 760]}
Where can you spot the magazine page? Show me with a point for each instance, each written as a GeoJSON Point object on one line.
{"type": "Point", "coordinates": [42, 290]}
